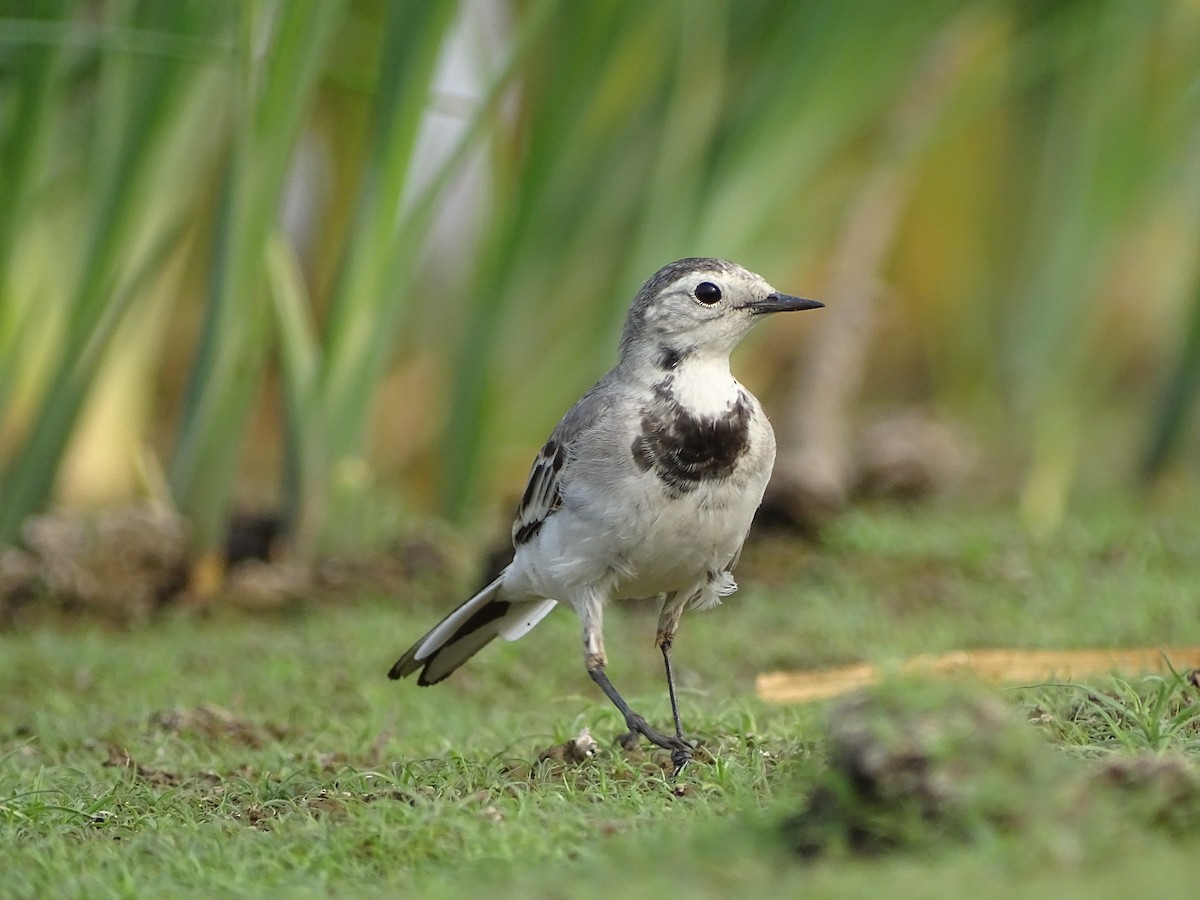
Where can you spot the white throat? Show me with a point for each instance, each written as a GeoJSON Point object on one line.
{"type": "Point", "coordinates": [704, 385]}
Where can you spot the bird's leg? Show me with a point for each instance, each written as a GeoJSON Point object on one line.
{"type": "Point", "coordinates": [668, 624]}
{"type": "Point", "coordinates": [594, 655]}
{"type": "Point", "coordinates": [634, 722]}
{"type": "Point", "coordinates": [665, 646]}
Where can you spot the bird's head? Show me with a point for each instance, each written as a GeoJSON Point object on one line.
{"type": "Point", "coordinates": [699, 305]}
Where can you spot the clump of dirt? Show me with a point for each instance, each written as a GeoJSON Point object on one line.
{"type": "Point", "coordinates": [905, 454]}
{"type": "Point", "coordinates": [911, 764]}
{"type": "Point", "coordinates": [121, 563]}
{"type": "Point", "coordinates": [908, 763]}
{"type": "Point", "coordinates": [212, 722]}
{"type": "Point", "coordinates": [910, 455]}
{"type": "Point", "coordinates": [124, 563]}
{"type": "Point", "coordinates": [578, 753]}
{"type": "Point", "coordinates": [1162, 790]}
{"type": "Point", "coordinates": [573, 752]}
{"type": "Point", "coordinates": [261, 584]}
{"type": "Point", "coordinates": [120, 758]}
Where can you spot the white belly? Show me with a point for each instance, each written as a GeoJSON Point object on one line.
{"type": "Point", "coordinates": [641, 543]}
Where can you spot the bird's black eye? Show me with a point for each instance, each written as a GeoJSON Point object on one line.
{"type": "Point", "coordinates": [708, 293]}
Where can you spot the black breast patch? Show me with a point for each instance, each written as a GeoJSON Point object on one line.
{"type": "Point", "coordinates": [684, 449]}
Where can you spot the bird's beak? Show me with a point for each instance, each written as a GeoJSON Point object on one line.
{"type": "Point", "coordinates": [777, 302]}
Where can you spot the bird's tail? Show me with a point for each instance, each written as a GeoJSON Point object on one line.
{"type": "Point", "coordinates": [468, 630]}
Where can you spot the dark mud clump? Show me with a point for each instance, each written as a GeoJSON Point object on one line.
{"type": "Point", "coordinates": [912, 765]}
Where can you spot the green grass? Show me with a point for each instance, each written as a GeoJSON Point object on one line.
{"type": "Point", "coordinates": [229, 754]}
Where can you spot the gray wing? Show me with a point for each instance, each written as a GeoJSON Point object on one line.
{"type": "Point", "coordinates": [551, 470]}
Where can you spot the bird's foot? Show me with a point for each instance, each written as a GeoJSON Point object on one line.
{"type": "Point", "coordinates": [681, 748]}
{"type": "Point", "coordinates": [680, 757]}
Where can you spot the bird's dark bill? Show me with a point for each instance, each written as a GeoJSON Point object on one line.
{"type": "Point", "coordinates": [774, 303]}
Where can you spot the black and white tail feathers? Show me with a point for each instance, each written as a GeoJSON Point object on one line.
{"type": "Point", "coordinates": [468, 630]}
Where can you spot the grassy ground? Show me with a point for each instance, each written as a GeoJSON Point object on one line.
{"type": "Point", "coordinates": [236, 754]}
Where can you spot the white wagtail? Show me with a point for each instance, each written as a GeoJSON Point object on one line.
{"type": "Point", "coordinates": [646, 488]}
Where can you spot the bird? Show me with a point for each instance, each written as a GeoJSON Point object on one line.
{"type": "Point", "coordinates": [645, 489]}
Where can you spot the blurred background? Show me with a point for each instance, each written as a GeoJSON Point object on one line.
{"type": "Point", "coordinates": [342, 265]}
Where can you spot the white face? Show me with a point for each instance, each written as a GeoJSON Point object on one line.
{"type": "Point", "coordinates": [698, 306]}
{"type": "Point", "coordinates": [705, 309]}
